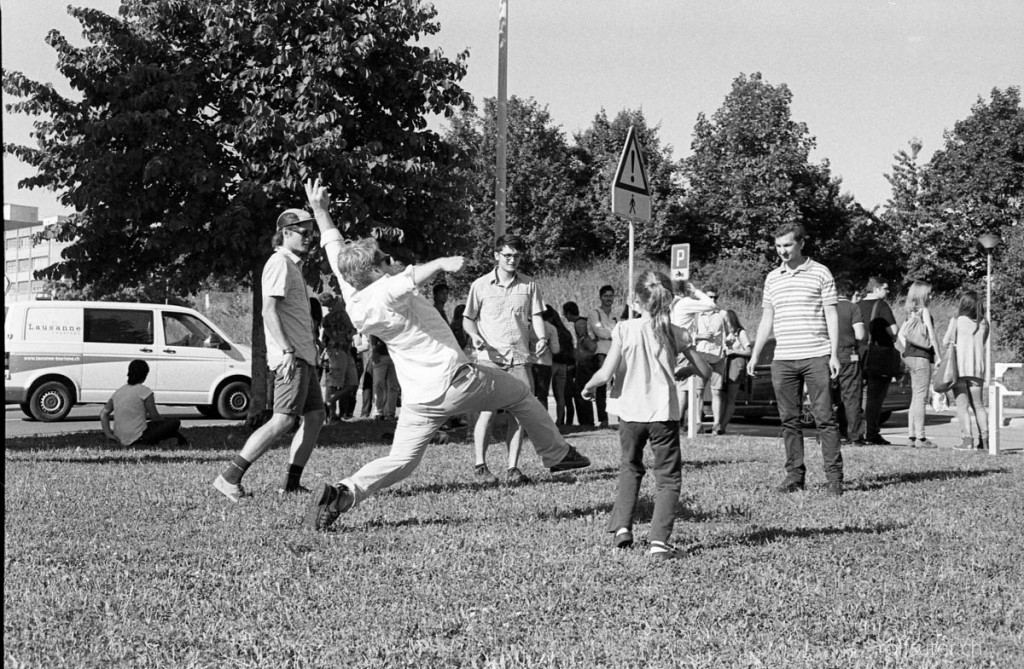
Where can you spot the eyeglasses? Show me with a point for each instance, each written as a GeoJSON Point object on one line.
{"type": "Point", "coordinates": [511, 256]}
{"type": "Point", "coordinates": [305, 233]}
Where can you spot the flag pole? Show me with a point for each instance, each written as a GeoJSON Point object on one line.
{"type": "Point", "coordinates": [500, 191]}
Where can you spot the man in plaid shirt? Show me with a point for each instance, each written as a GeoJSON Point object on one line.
{"type": "Point", "coordinates": [503, 314]}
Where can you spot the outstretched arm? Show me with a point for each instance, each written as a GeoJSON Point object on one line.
{"type": "Point", "coordinates": [422, 274]}
{"type": "Point", "coordinates": [604, 375]}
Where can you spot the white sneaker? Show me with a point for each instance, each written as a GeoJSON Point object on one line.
{"type": "Point", "coordinates": [229, 490]}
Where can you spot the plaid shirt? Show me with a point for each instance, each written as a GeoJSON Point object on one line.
{"type": "Point", "coordinates": [504, 316]}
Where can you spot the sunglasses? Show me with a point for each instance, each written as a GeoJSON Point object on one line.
{"type": "Point", "coordinates": [305, 233]}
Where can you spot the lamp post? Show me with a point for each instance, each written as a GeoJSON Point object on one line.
{"type": "Point", "coordinates": [989, 242]}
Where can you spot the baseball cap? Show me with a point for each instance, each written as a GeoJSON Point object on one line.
{"type": "Point", "coordinates": [300, 216]}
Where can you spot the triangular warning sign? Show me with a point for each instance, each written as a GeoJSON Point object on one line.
{"type": "Point", "coordinates": [631, 192]}
{"type": "Point", "coordinates": [631, 174]}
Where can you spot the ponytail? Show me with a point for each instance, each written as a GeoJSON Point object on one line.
{"type": "Point", "coordinates": [654, 291]}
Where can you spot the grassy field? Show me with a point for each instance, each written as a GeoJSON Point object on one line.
{"type": "Point", "coordinates": [128, 558]}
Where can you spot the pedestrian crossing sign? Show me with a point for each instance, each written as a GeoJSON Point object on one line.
{"type": "Point", "coordinates": [631, 191]}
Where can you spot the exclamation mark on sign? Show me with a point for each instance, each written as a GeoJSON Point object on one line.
{"type": "Point", "coordinates": [632, 166]}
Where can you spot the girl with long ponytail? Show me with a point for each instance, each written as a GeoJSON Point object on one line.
{"type": "Point", "coordinates": [642, 359]}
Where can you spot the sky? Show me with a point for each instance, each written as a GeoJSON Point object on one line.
{"type": "Point", "coordinates": [867, 76]}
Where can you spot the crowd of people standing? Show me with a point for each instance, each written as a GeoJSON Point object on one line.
{"type": "Point", "coordinates": [503, 353]}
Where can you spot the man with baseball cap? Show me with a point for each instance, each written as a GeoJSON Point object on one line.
{"type": "Point", "coordinates": [291, 354]}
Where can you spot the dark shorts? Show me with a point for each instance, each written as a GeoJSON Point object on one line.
{"type": "Point", "coordinates": [300, 395]}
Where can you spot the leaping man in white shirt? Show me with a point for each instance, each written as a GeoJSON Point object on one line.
{"type": "Point", "coordinates": [437, 379]}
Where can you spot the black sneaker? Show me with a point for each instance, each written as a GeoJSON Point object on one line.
{"type": "Point", "coordinates": [834, 489]}
{"type": "Point", "coordinates": [877, 440]}
{"type": "Point", "coordinates": [791, 486]}
{"type": "Point", "coordinates": [515, 477]}
{"type": "Point", "coordinates": [483, 475]}
{"type": "Point", "coordinates": [327, 504]}
{"type": "Point", "coordinates": [572, 460]}
{"type": "Point", "coordinates": [283, 490]}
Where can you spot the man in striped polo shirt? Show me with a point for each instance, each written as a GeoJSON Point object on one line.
{"type": "Point", "coordinates": [799, 311]}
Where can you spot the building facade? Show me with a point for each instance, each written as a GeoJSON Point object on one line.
{"type": "Point", "coordinates": [23, 256]}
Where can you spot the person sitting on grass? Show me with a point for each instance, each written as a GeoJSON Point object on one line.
{"type": "Point", "coordinates": [642, 358]}
{"type": "Point", "coordinates": [436, 377]}
{"type": "Point", "coordinates": [136, 419]}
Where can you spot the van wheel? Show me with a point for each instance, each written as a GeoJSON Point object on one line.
{"type": "Point", "coordinates": [208, 410]}
{"type": "Point", "coordinates": [233, 400]}
{"type": "Point", "coordinates": [807, 417]}
{"type": "Point", "coordinates": [50, 402]}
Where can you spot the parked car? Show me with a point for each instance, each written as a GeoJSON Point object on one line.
{"type": "Point", "coordinates": [756, 399]}
{"type": "Point", "coordinates": [61, 353]}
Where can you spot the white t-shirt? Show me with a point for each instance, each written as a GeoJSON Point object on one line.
{"type": "Point", "coordinates": [130, 412]}
{"type": "Point", "coordinates": [419, 341]}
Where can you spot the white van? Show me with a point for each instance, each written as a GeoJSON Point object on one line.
{"type": "Point", "coordinates": [58, 354]}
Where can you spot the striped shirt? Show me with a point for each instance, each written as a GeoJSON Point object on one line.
{"type": "Point", "coordinates": [799, 297]}
{"type": "Point", "coordinates": [504, 316]}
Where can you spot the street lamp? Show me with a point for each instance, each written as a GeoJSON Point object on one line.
{"type": "Point", "coordinates": [989, 242]}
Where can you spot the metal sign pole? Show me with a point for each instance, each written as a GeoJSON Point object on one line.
{"type": "Point", "coordinates": [629, 292]}
{"type": "Point", "coordinates": [500, 191]}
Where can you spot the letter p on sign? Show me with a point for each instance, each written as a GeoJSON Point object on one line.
{"type": "Point", "coordinates": [680, 262]}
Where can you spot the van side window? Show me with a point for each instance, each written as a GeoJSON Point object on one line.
{"type": "Point", "coordinates": [187, 330]}
{"type": "Point", "coordinates": [118, 326]}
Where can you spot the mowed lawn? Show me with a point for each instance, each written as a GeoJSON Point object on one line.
{"type": "Point", "coordinates": [129, 558]}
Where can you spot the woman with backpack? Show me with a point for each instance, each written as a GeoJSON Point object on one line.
{"type": "Point", "coordinates": [919, 342]}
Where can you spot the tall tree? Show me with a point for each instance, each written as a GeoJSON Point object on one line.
{"type": "Point", "coordinates": [542, 204]}
{"type": "Point", "coordinates": [750, 171]}
{"type": "Point", "coordinates": [197, 122]}
{"type": "Point", "coordinates": [974, 184]}
{"type": "Point", "coordinates": [600, 148]}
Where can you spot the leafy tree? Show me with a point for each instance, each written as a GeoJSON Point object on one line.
{"type": "Point", "coordinates": [750, 172]}
{"type": "Point", "coordinates": [197, 122]}
{"type": "Point", "coordinates": [542, 205]}
{"type": "Point", "coordinates": [1008, 291]}
{"type": "Point", "coordinates": [600, 147]}
{"type": "Point", "coordinates": [973, 185]}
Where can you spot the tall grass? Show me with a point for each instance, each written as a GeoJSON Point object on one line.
{"type": "Point", "coordinates": [233, 311]}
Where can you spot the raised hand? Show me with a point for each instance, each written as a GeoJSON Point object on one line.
{"type": "Point", "coordinates": [317, 195]}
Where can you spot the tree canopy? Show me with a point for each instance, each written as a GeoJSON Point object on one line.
{"type": "Point", "coordinates": [198, 121]}
{"type": "Point", "coordinates": [750, 172]}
